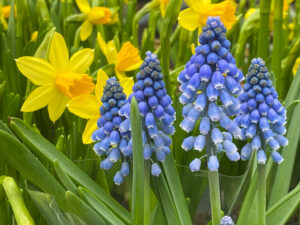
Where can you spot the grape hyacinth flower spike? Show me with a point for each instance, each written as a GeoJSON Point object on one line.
{"type": "Point", "coordinates": [210, 84]}
{"type": "Point", "coordinates": [226, 220]}
{"type": "Point", "coordinates": [112, 144]}
{"type": "Point", "coordinates": [263, 117]}
{"type": "Point", "coordinates": [155, 109]}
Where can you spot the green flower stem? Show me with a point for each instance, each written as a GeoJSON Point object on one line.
{"type": "Point", "coordinates": [14, 196]}
{"type": "Point", "coordinates": [278, 47]}
{"type": "Point", "coordinates": [147, 210]}
{"type": "Point", "coordinates": [261, 185]}
{"type": "Point", "coordinates": [214, 193]}
{"type": "Point", "coordinates": [297, 20]}
{"type": "Point", "coordinates": [138, 16]}
{"type": "Point", "coordinates": [263, 34]}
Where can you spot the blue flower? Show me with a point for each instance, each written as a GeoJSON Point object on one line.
{"type": "Point", "coordinates": [226, 220]}
{"type": "Point", "coordinates": [210, 83]}
{"type": "Point", "coordinates": [262, 116]}
{"type": "Point", "coordinates": [112, 136]}
{"type": "Point", "coordinates": [156, 111]}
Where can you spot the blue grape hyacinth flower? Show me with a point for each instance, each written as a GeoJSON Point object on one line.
{"type": "Point", "coordinates": [112, 144]}
{"type": "Point", "coordinates": [263, 117]}
{"type": "Point", "coordinates": [210, 83]}
{"type": "Point", "coordinates": [226, 220]}
{"type": "Point", "coordinates": [156, 111]}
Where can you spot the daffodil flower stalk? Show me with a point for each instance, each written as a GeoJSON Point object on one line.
{"type": "Point", "coordinates": [209, 85]}
{"type": "Point", "coordinates": [262, 121]}
{"type": "Point", "coordinates": [156, 111]}
{"type": "Point", "coordinates": [112, 143]}
{"type": "Point", "coordinates": [59, 79]}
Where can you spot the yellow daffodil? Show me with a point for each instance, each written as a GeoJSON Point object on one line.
{"type": "Point", "coordinates": [94, 15]}
{"type": "Point", "coordinates": [196, 15]}
{"type": "Point", "coordinates": [4, 14]}
{"type": "Point", "coordinates": [162, 5]}
{"type": "Point", "coordinates": [59, 79]}
{"type": "Point", "coordinates": [127, 59]}
{"type": "Point", "coordinates": [34, 36]}
{"type": "Point", "coordinates": [296, 66]}
{"type": "Point", "coordinates": [87, 106]}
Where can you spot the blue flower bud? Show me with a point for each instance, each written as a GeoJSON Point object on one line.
{"type": "Point", "coordinates": [283, 141]}
{"type": "Point", "coordinates": [194, 114]}
{"type": "Point", "coordinates": [223, 66]}
{"type": "Point", "coordinates": [118, 178]}
{"type": "Point", "coordinates": [187, 125]}
{"type": "Point", "coordinates": [199, 143]}
{"type": "Point", "coordinates": [147, 151]}
{"type": "Point", "coordinates": [264, 124]}
{"type": "Point", "coordinates": [216, 136]}
{"type": "Point", "coordinates": [251, 131]}
{"type": "Point", "coordinates": [155, 169]}
{"type": "Point", "coordinates": [114, 155]}
{"type": "Point", "coordinates": [225, 98]}
{"type": "Point", "coordinates": [256, 143]}
{"type": "Point", "coordinates": [204, 126]}
{"type": "Point", "coordinates": [211, 92]}
{"type": "Point", "coordinates": [225, 121]}
{"type": "Point", "coordinates": [159, 112]}
{"type": "Point", "coordinates": [229, 147]}
{"type": "Point", "coordinates": [195, 165]}
{"type": "Point", "coordinates": [233, 156]}
{"type": "Point", "coordinates": [213, 163]}
{"type": "Point", "coordinates": [200, 103]}
{"type": "Point", "coordinates": [213, 112]}
{"type": "Point", "coordinates": [277, 158]}
{"type": "Point", "coordinates": [106, 164]}
{"type": "Point", "coordinates": [205, 73]}
{"type": "Point", "coordinates": [232, 85]}
{"type": "Point", "coordinates": [143, 108]}
{"type": "Point", "coordinates": [261, 157]}
{"type": "Point", "coordinates": [227, 136]}
{"type": "Point", "coordinates": [218, 80]}
{"type": "Point", "coordinates": [273, 143]}
{"type": "Point", "coordinates": [149, 120]}
{"type": "Point", "coordinates": [125, 169]}
{"type": "Point", "coordinates": [188, 143]}
{"type": "Point", "coordinates": [194, 82]}
{"type": "Point", "coordinates": [246, 151]}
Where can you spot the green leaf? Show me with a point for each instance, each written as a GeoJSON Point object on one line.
{"type": "Point", "coordinates": [176, 191]}
{"type": "Point", "coordinates": [64, 178]}
{"type": "Point", "coordinates": [99, 206]}
{"type": "Point", "coordinates": [166, 202]}
{"type": "Point", "coordinates": [137, 194]}
{"type": "Point", "coordinates": [47, 151]}
{"type": "Point", "coordinates": [284, 208]}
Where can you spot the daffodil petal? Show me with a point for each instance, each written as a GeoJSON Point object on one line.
{"type": "Point", "coordinates": [127, 84]}
{"type": "Point", "coordinates": [39, 98]}
{"type": "Point", "coordinates": [58, 53]}
{"type": "Point", "coordinates": [90, 127]}
{"type": "Point", "coordinates": [85, 106]}
{"type": "Point", "coordinates": [197, 5]}
{"type": "Point", "coordinates": [83, 5]}
{"type": "Point", "coordinates": [101, 81]}
{"type": "Point", "coordinates": [108, 49]}
{"type": "Point", "coordinates": [128, 58]}
{"type": "Point", "coordinates": [57, 105]}
{"type": "Point", "coordinates": [86, 30]}
{"type": "Point", "coordinates": [189, 19]}
{"type": "Point", "coordinates": [37, 70]}
{"type": "Point", "coordinates": [81, 60]}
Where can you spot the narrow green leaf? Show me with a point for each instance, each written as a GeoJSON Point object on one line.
{"type": "Point", "coordinates": [46, 150]}
{"type": "Point", "coordinates": [80, 208]}
{"type": "Point", "coordinates": [64, 178]}
{"type": "Point", "coordinates": [176, 191]}
{"type": "Point", "coordinates": [99, 206]}
{"type": "Point", "coordinates": [137, 198]}
{"type": "Point", "coordinates": [166, 202]}
{"type": "Point", "coordinates": [283, 209]}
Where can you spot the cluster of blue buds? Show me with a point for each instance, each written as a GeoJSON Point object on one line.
{"type": "Point", "coordinates": [210, 83]}
{"type": "Point", "coordinates": [263, 117]}
{"type": "Point", "coordinates": [226, 220]}
{"type": "Point", "coordinates": [112, 142]}
{"type": "Point", "coordinates": [155, 109]}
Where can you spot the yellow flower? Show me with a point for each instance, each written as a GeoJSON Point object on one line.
{"type": "Point", "coordinates": [94, 15]}
{"type": "Point", "coordinates": [249, 12]}
{"type": "Point", "coordinates": [34, 36]}
{"type": "Point", "coordinates": [296, 66]}
{"type": "Point", "coordinates": [59, 79]}
{"type": "Point", "coordinates": [127, 59]}
{"type": "Point", "coordinates": [196, 15]}
{"type": "Point", "coordinates": [87, 106]}
{"type": "Point", "coordinates": [162, 5]}
{"type": "Point", "coordinates": [4, 14]}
